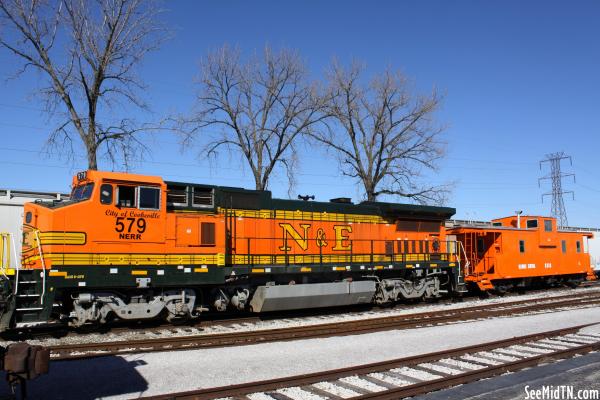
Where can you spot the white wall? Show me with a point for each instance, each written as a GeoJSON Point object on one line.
{"type": "Point", "coordinates": [594, 250]}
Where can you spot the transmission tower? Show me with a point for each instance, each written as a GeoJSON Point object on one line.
{"type": "Point", "coordinates": [558, 205]}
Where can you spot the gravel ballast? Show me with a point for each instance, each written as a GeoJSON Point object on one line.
{"type": "Point", "coordinates": [135, 375]}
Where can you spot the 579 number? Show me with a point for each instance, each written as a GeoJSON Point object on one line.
{"type": "Point", "coordinates": [123, 224]}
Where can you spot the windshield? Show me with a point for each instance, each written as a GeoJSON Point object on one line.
{"type": "Point", "coordinates": [82, 192]}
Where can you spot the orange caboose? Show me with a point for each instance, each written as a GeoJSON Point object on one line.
{"type": "Point", "coordinates": [521, 251]}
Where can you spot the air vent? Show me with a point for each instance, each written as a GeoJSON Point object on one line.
{"type": "Point", "coordinates": [344, 200]}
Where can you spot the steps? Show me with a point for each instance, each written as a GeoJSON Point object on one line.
{"type": "Point", "coordinates": [29, 307]}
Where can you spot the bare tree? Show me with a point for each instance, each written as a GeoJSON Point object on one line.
{"type": "Point", "coordinates": [383, 135]}
{"type": "Point", "coordinates": [259, 107]}
{"type": "Point", "coordinates": [87, 52]}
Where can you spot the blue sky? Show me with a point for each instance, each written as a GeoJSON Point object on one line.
{"type": "Point", "coordinates": [521, 79]}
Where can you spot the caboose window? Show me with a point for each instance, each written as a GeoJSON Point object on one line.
{"type": "Point", "coordinates": [563, 244]}
{"type": "Point", "coordinates": [532, 223]}
{"type": "Point", "coordinates": [548, 225]}
{"type": "Point", "coordinates": [106, 194]}
{"type": "Point", "coordinates": [578, 246]}
{"type": "Point", "coordinates": [202, 197]}
{"type": "Point", "coordinates": [126, 196]}
{"type": "Point", "coordinates": [149, 198]}
{"type": "Point", "coordinates": [521, 246]}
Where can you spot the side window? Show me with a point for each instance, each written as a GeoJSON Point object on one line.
{"type": "Point", "coordinates": [207, 234]}
{"type": "Point", "coordinates": [126, 196]}
{"type": "Point", "coordinates": [106, 194]}
{"type": "Point", "coordinates": [548, 225]}
{"type": "Point", "coordinates": [578, 246]}
{"type": "Point", "coordinates": [532, 223]}
{"type": "Point", "coordinates": [202, 197]}
{"type": "Point", "coordinates": [149, 198]}
{"type": "Point", "coordinates": [563, 244]}
{"type": "Point", "coordinates": [521, 246]}
{"type": "Point", "coordinates": [480, 245]}
{"type": "Point", "coordinates": [177, 195]}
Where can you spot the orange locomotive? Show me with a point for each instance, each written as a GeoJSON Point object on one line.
{"type": "Point", "coordinates": [522, 251]}
{"type": "Point", "coordinates": [135, 247]}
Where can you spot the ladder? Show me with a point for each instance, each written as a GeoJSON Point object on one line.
{"type": "Point", "coordinates": [28, 285]}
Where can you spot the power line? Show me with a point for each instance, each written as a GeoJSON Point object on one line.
{"type": "Point", "coordinates": [558, 205]}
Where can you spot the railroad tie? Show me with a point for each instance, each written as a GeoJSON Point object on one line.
{"type": "Point", "coordinates": [545, 346]}
{"type": "Point", "coordinates": [320, 392]}
{"type": "Point", "coordinates": [476, 362]}
{"type": "Point", "coordinates": [352, 387]}
{"type": "Point", "coordinates": [493, 360]}
{"type": "Point", "coordinates": [503, 352]}
{"type": "Point", "coordinates": [378, 382]}
{"type": "Point", "coordinates": [431, 371]}
{"type": "Point", "coordinates": [456, 367]}
{"type": "Point", "coordinates": [403, 377]}
{"type": "Point", "coordinates": [278, 396]}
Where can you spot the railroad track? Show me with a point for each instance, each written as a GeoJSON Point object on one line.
{"type": "Point", "coordinates": [411, 376]}
{"type": "Point", "coordinates": [406, 321]}
{"type": "Point", "coordinates": [217, 321]}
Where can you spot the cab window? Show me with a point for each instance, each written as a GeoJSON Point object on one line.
{"type": "Point", "coordinates": [149, 198]}
{"type": "Point", "coordinates": [126, 196]}
{"type": "Point", "coordinates": [106, 194]}
{"type": "Point", "coordinates": [548, 225]}
{"type": "Point", "coordinates": [82, 192]}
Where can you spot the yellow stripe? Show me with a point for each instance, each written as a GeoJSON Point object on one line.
{"type": "Point", "coordinates": [201, 269]}
{"type": "Point", "coordinates": [70, 238]}
{"type": "Point", "coordinates": [59, 259]}
{"type": "Point", "coordinates": [58, 273]}
{"type": "Point", "coordinates": [7, 271]}
{"type": "Point", "coordinates": [128, 259]}
{"type": "Point", "coordinates": [379, 267]}
{"type": "Point", "coordinates": [304, 215]}
{"type": "Point", "coordinates": [339, 268]}
{"type": "Point", "coordinates": [305, 269]}
{"type": "Point", "coordinates": [257, 270]}
{"type": "Point", "coordinates": [139, 272]}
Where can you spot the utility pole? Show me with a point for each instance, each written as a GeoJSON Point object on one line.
{"type": "Point", "coordinates": [558, 205]}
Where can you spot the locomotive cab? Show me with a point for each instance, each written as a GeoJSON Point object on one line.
{"type": "Point", "coordinates": [95, 249]}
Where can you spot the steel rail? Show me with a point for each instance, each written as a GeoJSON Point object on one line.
{"type": "Point", "coordinates": [407, 321]}
{"type": "Point", "coordinates": [241, 390]}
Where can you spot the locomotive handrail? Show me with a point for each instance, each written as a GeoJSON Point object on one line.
{"type": "Point", "coordinates": [37, 236]}
{"type": "Point", "coordinates": [4, 260]}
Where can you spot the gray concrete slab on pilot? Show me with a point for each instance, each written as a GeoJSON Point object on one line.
{"type": "Point", "coordinates": [581, 372]}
